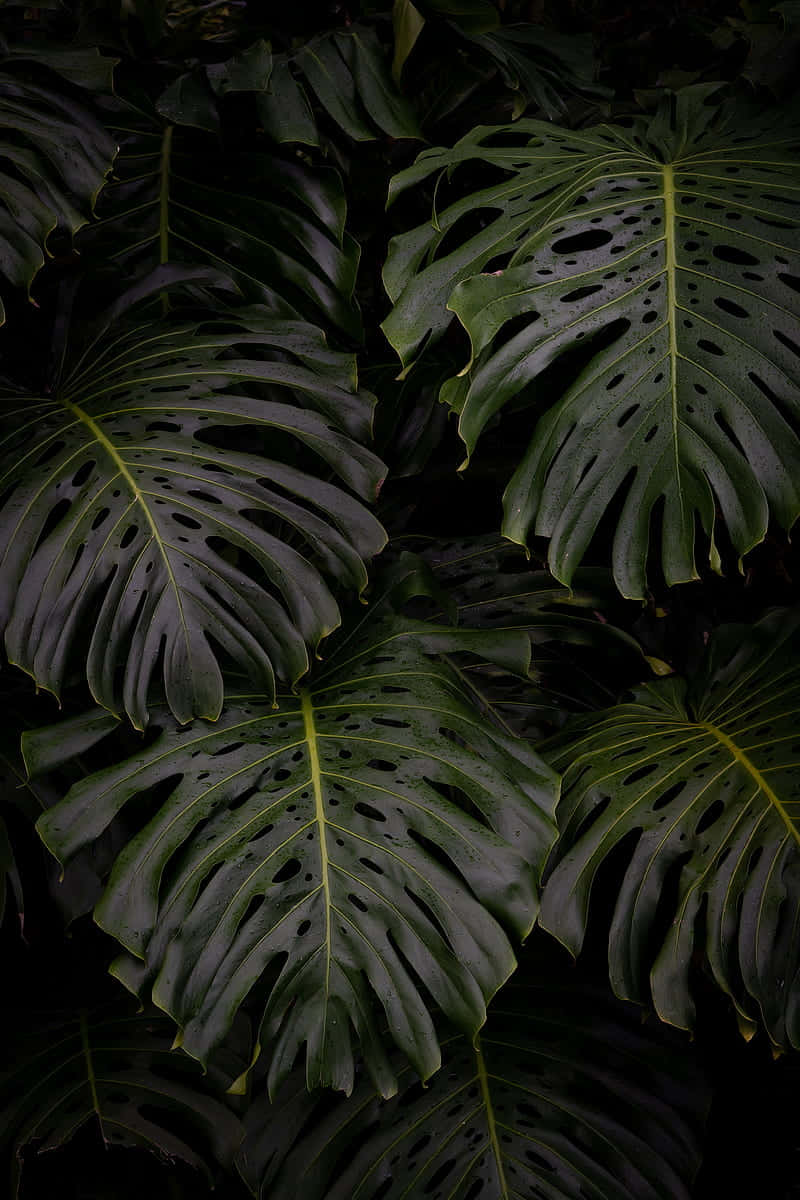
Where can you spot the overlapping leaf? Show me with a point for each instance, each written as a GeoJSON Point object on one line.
{"type": "Point", "coordinates": [579, 661]}
{"type": "Point", "coordinates": [564, 1097]}
{"type": "Point", "coordinates": [702, 783]}
{"type": "Point", "coordinates": [542, 66]}
{"type": "Point", "coordinates": [120, 1072]}
{"type": "Point", "coordinates": [347, 74]}
{"type": "Point", "coordinates": [22, 800]}
{"type": "Point", "coordinates": [275, 227]}
{"type": "Point", "coordinates": [659, 266]}
{"type": "Point", "coordinates": [54, 156]}
{"type": "Point", "coordinates": [356, 853]}
{"type": "Point", "coordinates": [134, 527]}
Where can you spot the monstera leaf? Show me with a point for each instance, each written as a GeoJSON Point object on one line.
{"type": "Point", "coordinates": [348, 75]}
{"type": "Point", "coordinates": [60, 1074]}
{"type": "Point", "coordinates": [22, 801]}
{"type": "Point", "coordinates": [54, 155]}
{"type": "Point", "coordinates": [658, 266]}
{"type": "Point", "coordinates": [563, 1096]}
{"type": "Point", "coordinates": [360, 850]}
{"type": "Point", "coordinates": [701, 782]}
{"type": "Point", "coordinates": [580, 660]}
{"type": "Point", "coordinates": [542, 66]}
{"type": "Point", "coordinates": [172, 499]}
{"type": "Point", "coordinates": [276, 228]}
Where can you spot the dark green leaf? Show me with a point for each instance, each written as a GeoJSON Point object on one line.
{"type": "Point", "coordinates": [247, 71]}
{"type": "Point", "coordinates": [357, 852]}
{"type": "Point", "coordinates": [347, 72]}
{"type": "Point", "coordinates": [473, 16]}
{"type": "Point", "coordinates": [363, 54]}
{"type": "Point", "coordinates": [664, 260]}
{"type": "Point", "coordinates": [543, 65]}
{"type": "Point", "coordinates": [564, 1097]}
{"type": "Point", "coordinates": [189, 101]}
{"type": "Point", "coordinates": [169, 540]}
{"type": "Point", "coordinates": [408, 24]}
{"type": "Point", "coordinates": [704, 778]}
{"type": "Point", "coordinates": [274, 226]}
{"type": "Point", "coordinates": [54, 157]}
{"type": "Point", "coordinates": [284, 109]}
{"type": "Point", "coordinates": [492, 587]}
{"type": "Point", "coordinates": [118, 1072]}
{"type": "Point", "coordinates": [84, 67]}
{"type": "Point", "coordinates": [331, 80]}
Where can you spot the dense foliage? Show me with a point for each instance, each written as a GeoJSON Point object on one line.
{"type": "Point", "coordinates": [399, 452]}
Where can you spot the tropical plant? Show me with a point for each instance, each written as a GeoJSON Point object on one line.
{"type": "Point", "coordinates": [117, 1070]}
{"type": "Point", "coordinates": [561, 1095]}
{"type": "Point", "coordinates": [655, 244]}
{"type": "Point", "coordinates": [705, 773]}
{"type": "Point", "coordinates": [356, 843]}
{"type": "Point", "coordinates": [319, 739]}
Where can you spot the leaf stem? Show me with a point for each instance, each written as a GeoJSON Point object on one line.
{"type": "Point", "coordinates": [319, 809]}
{"type": "Point", "coordinates": [90, 1075]}
{"type": "Point", "coordinates": [483, 1079]}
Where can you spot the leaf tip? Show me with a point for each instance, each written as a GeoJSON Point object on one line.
{"type": "Point", "coordinates": [240, 1084]}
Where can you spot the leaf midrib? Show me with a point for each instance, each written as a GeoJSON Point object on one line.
{"type": "Point", "coordinates": [90, 1075]}
{"type": "Point", "coordinates": [309, 729]}
{"type": "Point", "coordinates": [483, 1079]}
{"type": "Point", "coordinates": [754, 773]}
{"type": "Point", "coordinates": [124, 473]}
{"type": "Point", "coordinates": [672, 307]}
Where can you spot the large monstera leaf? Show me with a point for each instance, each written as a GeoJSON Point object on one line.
{"type": "Point", "coordinates": [58, 1074]}
{"type": "Point", "coordinates": [361, 851]}
{"type": "Point", "coordinates": [659, 267]}
{"type": "Point", "coordinates": [701, 781]}
{"type": "Point", "coordinates": [276, 228]}
{"type": "Point", "coordinates": [564, 1096]}
{"type": "Point", "coordinates": [173, 498]}
{"type": "Point", "coordinates": [54, 155]}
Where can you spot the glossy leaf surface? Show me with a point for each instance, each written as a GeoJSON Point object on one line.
{"type": "Point", "coordinates": [658, 266]}
{"type": "Point", "coordinates": [701, 782]}
{"type": "Point", "coordinates": [564, 1097]}
{"type": "Point", "coordinates": [358, 852]}
{"type": "Point", "coordinates": [129, 525]}
{"type": "Point", "coordinates": [347, 74]}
